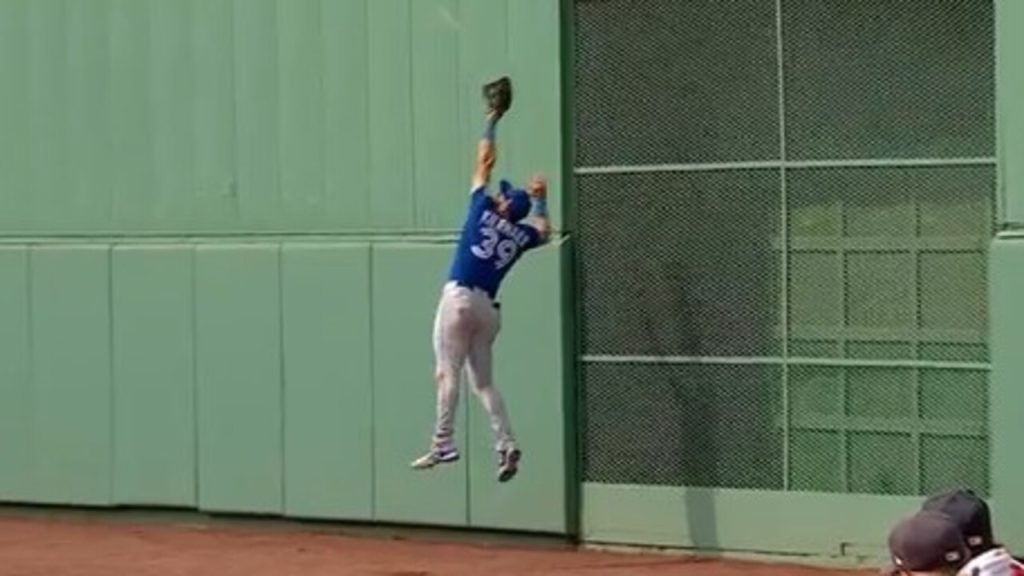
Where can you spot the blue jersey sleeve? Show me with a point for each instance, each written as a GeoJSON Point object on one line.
{"type": "Point", "coordinates": [479, 199]}
{"type": "Point", "coordinates": [532, 234]}
{"type": "Point", "coordinates": [478, 193]}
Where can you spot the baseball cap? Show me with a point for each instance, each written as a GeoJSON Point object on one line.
{"type": "Point", "coordinates": [969, 512]}
{"type": "Point", "coordinates": [518, 201]}
{"type": "Point", "coordinates": [925, 542]}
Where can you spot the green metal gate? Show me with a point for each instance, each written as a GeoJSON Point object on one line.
{"type": "Point", "coordinates": [783, 209]}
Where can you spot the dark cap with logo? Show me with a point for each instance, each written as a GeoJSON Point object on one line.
{"type": "Point", "coordinates": [969, 512]}
{"type": "Point", "coordinates": [925, 542]}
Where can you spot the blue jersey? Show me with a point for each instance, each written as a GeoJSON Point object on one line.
{"type": "Point", "coordinates": [489, 245]}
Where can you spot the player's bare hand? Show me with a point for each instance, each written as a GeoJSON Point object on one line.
{"type": "Point", "coordinates": [538, 187]}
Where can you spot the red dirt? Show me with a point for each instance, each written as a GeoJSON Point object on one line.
{"type": "Point", "coordinates": [66, 547]}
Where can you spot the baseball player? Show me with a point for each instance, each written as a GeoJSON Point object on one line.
{"type": "Point", "coordinates": [495, 234]}
{"type": "Point", "coordinates": [972, 516]}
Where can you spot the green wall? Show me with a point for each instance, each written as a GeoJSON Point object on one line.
{"type": "Point", "coordinates": [850, 527]}
{"type": "Point", "coordinates": [1006, 263]}
{"type": "Point", "coordinates": [1009, 111]}
{"type": "Point", "coordinates": [269, 377]}
{"type": "Point", "coordinates": [264, 115]}
{"type": "Point", "coordinates": [225, 227]}
{"type": "Point", "coordinates": [224, 231]}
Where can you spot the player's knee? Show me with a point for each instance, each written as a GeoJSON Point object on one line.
{"type": "Point", "coordinates": [442, 377]}
{"type": "Point", "coordinates": [481, 385]}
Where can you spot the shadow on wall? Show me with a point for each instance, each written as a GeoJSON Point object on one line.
{"type": "Point", "coordinates": [690, 275]}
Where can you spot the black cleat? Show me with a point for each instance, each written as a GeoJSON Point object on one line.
{"type": "Point", "coordinates": [508, 464]}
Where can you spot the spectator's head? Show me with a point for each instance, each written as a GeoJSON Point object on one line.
{"type": "Point", "coordinates": [971, 515]}
{"type": "Point", "coordinates": [926, 544]}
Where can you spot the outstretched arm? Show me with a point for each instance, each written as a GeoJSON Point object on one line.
{"type": "Point", "coordinates": [539, 213]}
{"type": "Point", "coordinates": [486, 153]}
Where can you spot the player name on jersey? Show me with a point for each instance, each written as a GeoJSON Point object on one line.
{"type": "Point", "coordinates": [492, 220]}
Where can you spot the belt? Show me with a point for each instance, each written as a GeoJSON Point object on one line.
{"type": "Point", "coordinates": [464, 284]}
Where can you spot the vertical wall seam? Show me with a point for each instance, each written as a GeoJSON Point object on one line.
{"type": "Point", "coordinates": [108, 132]}
{"type": "Point", "coordinates": [109, 58]}
{"type": "Point", "coordinates": [508, 151]}
{"type": "Point", "coordinates": [281, 377]}
{"type": "Point", "coordinates": [196, 405]}
{"type": "Point", "coordinates": [461, 127]}
{"type": "Point", "coordinates": [31, 372]}
{"type": "Point", "coordinates": [784, 234]}
{"type": "Point", "coordinates": [368, 99]}
{"type": "Point", "coordinates": [463, 405]}
{"type": "Point", "coordinates": [508, 32]}
{"type": "Point", "coordinates": [149, 134]}
{"type": "Point", "coordinates": [282, 201]}
{"type": "Point", "coordinates": [369, 257]}
{"type": "Point", "coordinates": [460, 123]}
{"type": "Point", "coordinates": [112, 431]}
{"type": "Point", "coordinates": [195, 183]}
{"type": "Point", "coordinates": [30, 140]}
{"type": "Point", "coordinates": [233, 91]}
{"type": "Point", "coordinates": [412, 113]}
{"type": "Point", "coordinates": [372, 383]}
{"type": "Point", "coordinates": [189, 111]}
{"type": "Point", "coordinates": [321, 72]}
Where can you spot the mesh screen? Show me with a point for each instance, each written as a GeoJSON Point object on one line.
{"type": "Point", "coordinates": [888, 78]}
{"type": "Point", "coordinates": [889, 263]}
{"type": "Point", "coordinates": [817, 461]}
{"type": "Point", "coordinates": [664, 81]}
{"type": "Point", "coordinates": [879, 462]}
{"type": "Point", "coordinates": [954, 461]}
{"type": "Point", "coordinates": [954, 447]}
{"type": "Point", "coordinates": [683, 425]}
{"type": "Point", "coordinates": [817, 451]}
{"type": "Point", "coordinates": [776, 306]}
{"type": "Point", "coordinates": [885, 430]}
{"type": "Point", "coordinates": [680, 264]}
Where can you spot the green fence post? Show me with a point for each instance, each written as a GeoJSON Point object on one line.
{"type": "Point", "coordinates": [1007, 280]}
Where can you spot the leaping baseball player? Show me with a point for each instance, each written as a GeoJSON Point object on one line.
{"type": "Point", "coordinates": [494, 237]}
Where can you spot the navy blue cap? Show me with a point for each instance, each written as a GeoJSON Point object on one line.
{"type": "Point", "coordinates": [969, 512]}
{"type": "Point", "coordinates": [518, 201]}
{"type": "Point", "coordinates": [925, 542]}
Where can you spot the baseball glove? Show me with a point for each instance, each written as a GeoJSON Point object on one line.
{"type": "Point", "coordinates": [498, 95]}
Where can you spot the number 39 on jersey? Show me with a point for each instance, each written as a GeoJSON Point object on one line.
{"type": "Point", "coordinates": [500, 240]}
{"type": "Point", "coordinates": [492, 244]}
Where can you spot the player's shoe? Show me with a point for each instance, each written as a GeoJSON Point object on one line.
{"type": "Point", "coordinates": [437, 455]}
{"type": "Point", "coordinates": [508, 463]}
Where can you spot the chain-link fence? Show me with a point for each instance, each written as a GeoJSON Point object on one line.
{"type": "Point", "coordinates": [783, 211]}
